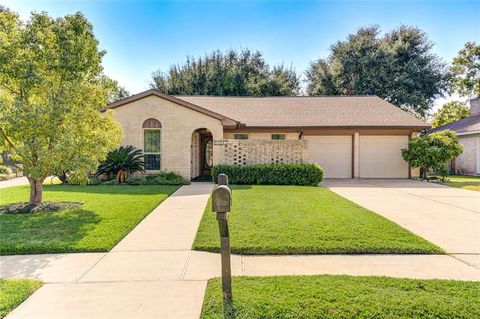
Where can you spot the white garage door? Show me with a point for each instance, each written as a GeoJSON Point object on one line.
{"type": "Point", "coordinates": [381, 157]}
{"type": "Point", "coordinates": [333, 153]}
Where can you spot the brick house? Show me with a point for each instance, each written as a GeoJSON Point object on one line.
{"type": "Point", "coordinates": [349, 136]}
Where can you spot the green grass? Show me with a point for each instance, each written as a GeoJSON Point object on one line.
{"type": "Point", "coordinates": [305, 220]}
{"type": "Point", "coordinates": [14, 291]}
{"type": "Point", "coordinates": [465, 182]}
{"type": "Point", "coordinates": [107, 215]}
{"type": "Point", "coordinates": [342, 297]}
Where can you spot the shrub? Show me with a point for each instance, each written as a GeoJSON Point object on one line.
{"type": "Point", "coordinates": [271, 174]}
{"type": "Point", "coordinates": [6, 176]}
{"type": "Point", "coordinates": [433, 151]}
{"type": "Point", "coordinates": [121, 162]}
{"type": "Point", "coordinates": [165, 178]}
{"type": "Point", "coordinates": [4, 170]}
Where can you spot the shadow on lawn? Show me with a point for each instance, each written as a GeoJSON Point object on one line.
{"type": "Point", "coordinates": [113, 189]}
{"type": "Point", "coordinates": [45, 232]}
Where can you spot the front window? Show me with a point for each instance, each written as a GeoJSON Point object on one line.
{"type": "Point", "coordinates": [151, 149]}
{"type": "Point", "coordinates": [240, 136]}
{"type": "Point", "coordinates": [278, 136]}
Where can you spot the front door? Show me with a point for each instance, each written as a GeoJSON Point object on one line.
{"type": "Point", "coordinates": [206, 155]}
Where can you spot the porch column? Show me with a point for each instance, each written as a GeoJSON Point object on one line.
{"type": "Point", "coordinates": [356, 155]}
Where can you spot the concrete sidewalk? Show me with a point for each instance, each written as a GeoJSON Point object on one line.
{"type": "Point", "coordinates": [17, 181]}
{"type": "Point", "coordinates": [152, 273]}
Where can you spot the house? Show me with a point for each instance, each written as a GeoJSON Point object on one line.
{"type": "Point", "coordinates": [349, 136]}
{"type": "Point", "coordinates": [468, 131]}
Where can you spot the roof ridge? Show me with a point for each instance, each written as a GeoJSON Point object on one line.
{"type": "Point", "coordinates": [274, 96]}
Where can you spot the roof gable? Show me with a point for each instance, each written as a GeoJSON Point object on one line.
{"type": "Point", "coordinates": [226, 121]}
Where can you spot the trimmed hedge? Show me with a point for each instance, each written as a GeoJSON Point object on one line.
{"type": "Point", "coordinates": [271, 174]}
{"type": "Point", "coordinates": [164, 178]}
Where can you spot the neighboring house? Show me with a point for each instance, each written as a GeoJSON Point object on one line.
{"type": "Point", "coordinates": [468, 131]}
{"type": "Point", "coordinates": [349, 136]}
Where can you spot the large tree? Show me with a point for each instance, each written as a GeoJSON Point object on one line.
{"type": "Point", "coordinates": [398, 66]}
{"type": "Point", "coordinates": [51, 90]}
{"type": "Point", "coordinates": [465, 71]}
{"type": "Point", "coordinates": [450, 112]}
{"type": "Point", "coordinates": [231, 73]}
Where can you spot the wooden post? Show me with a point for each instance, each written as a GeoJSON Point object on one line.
{"type": "Point", "coordinates": [221, 204]}
{"type": "Point", "coordinates": [225, 255]}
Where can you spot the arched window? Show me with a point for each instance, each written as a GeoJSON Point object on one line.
{"type": "Point", "coordinates": [151, 144]}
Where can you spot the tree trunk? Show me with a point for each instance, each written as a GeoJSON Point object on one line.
{"type": "Point", "coordinates": [36, 189]}
{"type": "Point", "coordinates": [423, 172]}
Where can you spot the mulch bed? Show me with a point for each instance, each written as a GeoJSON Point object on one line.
{"type": "Point", "coordinates": [27, 208]}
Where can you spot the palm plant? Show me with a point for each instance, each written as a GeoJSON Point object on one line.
{"type": "Point", "coordinates": [121, 162]}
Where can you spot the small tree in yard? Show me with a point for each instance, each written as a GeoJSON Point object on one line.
{"type": "Point", "coordinates": [51, 91]}
{"type": "Point", "coordinates": [433, 151]}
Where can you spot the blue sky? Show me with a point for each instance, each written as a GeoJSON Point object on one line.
{"type": "Point", "coordinates": [142, 36]}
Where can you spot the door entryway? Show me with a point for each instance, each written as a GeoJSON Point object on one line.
{"type": "Point", "coordinates": [201, 154]}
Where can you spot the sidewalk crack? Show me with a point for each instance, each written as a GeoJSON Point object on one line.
{"type": "Point", "coordinates": [83, 275]}
{"type": "Point", "coordinates": [184, 271]}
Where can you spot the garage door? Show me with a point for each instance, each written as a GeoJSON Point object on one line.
{"type": "Point", "coordinates": [381, 157]}
{"type": "Point", "coordinates": [333, 153]}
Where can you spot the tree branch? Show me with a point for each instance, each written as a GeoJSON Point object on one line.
{"type": "Point", "coordinates": [6, 138]}
{"type": "Point", "coordinates": [10, 89]}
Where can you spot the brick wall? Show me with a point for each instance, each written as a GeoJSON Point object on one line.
{"type": "Point", "coordinates": [244, 152]}
{"type": "Point", "coordinates": [178, 125]}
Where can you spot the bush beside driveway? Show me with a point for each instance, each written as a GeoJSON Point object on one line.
{"type": "Point", "coordinates": [108, 214]}
{"type": "Point", "coordinates": [305, 220]}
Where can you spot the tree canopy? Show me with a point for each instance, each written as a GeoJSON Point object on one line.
{"type": "Point", "coordinates": [51, 90]}
{"type": "Point", "coordinates": [398, 66]}
{"type": "Point", "coordinates": [465, 70]}
{"type": "Point", "coordinates": [433, 151]}
{"type": "Point", "coordinates": [232, 73]}
{"type": "Point", "coordinates": [450, 112]}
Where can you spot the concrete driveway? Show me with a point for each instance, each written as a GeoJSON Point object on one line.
{"type": "Point", "coordinates": [446, 216]}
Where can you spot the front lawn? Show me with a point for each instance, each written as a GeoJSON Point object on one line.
{"type": "Point", "coordinates": [108, 214]}
{"type": "Point", "coordinates": [14, 291]}
{"type": "Point", "coordinates": [339, 297]}
{"type": "Point", "coordinates": [305, 220]}
{"type": "Point", "coordinates": [465, 182]}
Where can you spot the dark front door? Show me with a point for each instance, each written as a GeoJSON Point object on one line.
{"type": "Point", "coordinates": [206, 154]}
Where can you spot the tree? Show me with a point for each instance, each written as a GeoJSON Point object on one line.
{"type": "Point", "coordinates": [114, 90]}
{"type": "Point", "coordinates": [398, 67]}
{"type": "Point", "coordinates": [465, 71]}
{"type": "Point", "coordinates": [231, 73]}
{"type": "Point", "coordinates": [450, 112]}
{"type": "Point", "coordinates": [433, 151]}
{"type": "Point", "coordinates": [51, 90]}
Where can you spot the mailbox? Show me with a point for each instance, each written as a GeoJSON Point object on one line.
{"type": "Point", "coordinates": [221, 199]}
{"type": "Point", "coordinates": [222, 179]}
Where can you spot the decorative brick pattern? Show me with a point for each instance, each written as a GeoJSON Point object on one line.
{"type": "Point", "coordinates": [245, 152]}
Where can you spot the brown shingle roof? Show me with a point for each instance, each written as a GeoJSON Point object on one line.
{"type": "Point", "coordinates": [314, 111]}
{"type": "Point", "coordinates": [464, 126]}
